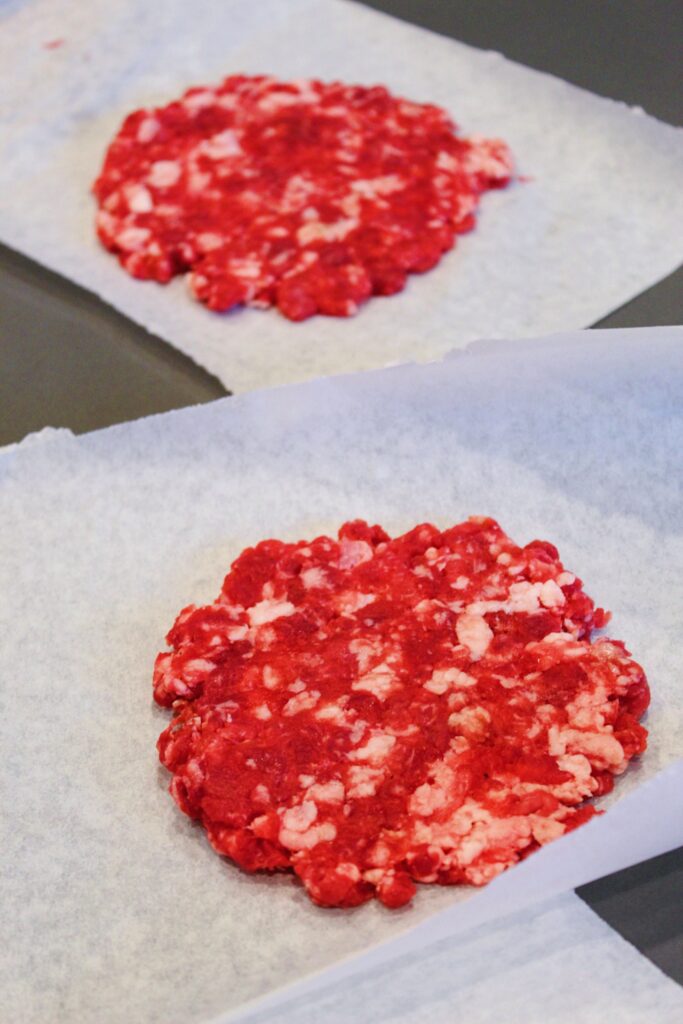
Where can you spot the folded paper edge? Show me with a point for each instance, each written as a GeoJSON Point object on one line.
{"type": "Point", "coordinates": [634, 817]}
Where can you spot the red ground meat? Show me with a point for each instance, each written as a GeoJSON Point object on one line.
{"type": "Point", "coordinates": [372, 713]}
{"type": "Point", "coordinates": [303, 195]}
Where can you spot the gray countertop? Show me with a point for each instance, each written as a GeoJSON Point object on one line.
{"type": "Point", "coordinates": [67, 359]}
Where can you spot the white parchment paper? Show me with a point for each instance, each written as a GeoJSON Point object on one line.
{"type": "Point", "coordinates": [557, 963]}
{"type": "Point", "coordinates": [598, 219]}
{"type": "Point", "coordinates": [115, 908]}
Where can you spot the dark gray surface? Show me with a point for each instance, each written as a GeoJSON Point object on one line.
{"type": "Point", "coordinates": [629, 50]}
{"type": "Point", "coordinates": [66, 359]}
{"type": "Point", "coordinates": [645, 904]}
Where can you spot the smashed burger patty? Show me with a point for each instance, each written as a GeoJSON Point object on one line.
{"type": "Point", "coordinates": [303, 195]}
{"type": "Point", "coordinates": [373, 712]}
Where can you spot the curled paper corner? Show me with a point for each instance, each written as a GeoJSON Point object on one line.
{"type": "Point", "coordinates": [645, 823]}
{"type": "Point", "coordinates": [46, 435]}
{"type": "Point", "coordinates": [569, 341]}
{"type": "Point", "coordinates": [35, 437]}
{"type": "Point", "coordinates": [524, 967]}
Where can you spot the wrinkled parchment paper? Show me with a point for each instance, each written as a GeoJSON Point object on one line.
{"type": "Point", "coordinates": [116, 909]}
{"type": "Point", "coordinates": [597, 219]}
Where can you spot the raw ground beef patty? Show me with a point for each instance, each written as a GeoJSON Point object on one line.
{"type": "Point", "coordinates": [373, 712]}
{"type": "Point", "coordinates": [303, 195]}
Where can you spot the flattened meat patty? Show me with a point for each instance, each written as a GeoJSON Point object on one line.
{"type": "Point", "coordinates": [303, 195]}
{"type": "Point", "coordinates": [373, 712]}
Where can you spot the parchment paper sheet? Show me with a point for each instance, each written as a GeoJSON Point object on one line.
{"type": "Point", "coordinates": [116, 909]}
{"type": "Point", "coordinates": [599, 218]}
{"type": "Point", "coordinates": [556, 964]}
